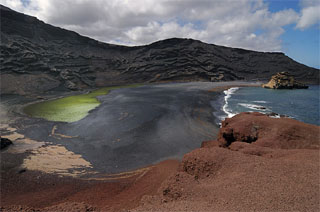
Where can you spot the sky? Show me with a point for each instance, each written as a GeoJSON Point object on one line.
{"type": "Point", "coordinates": [289, 26]}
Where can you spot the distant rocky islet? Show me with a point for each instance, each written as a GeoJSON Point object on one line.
{"type": "Point", "coordinates": [284, 80]}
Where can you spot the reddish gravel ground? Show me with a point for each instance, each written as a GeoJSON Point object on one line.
{"type": "Point", "coordinates": [258, 163]}
{"type": "Point", "coordinates": [35, 191]}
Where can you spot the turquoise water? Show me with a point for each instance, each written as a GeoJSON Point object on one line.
{"type": "Point", "coordinates": [300, 104]}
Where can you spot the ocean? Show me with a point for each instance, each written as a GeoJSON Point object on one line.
{"type": "Point", "coordinates": [300, 104]}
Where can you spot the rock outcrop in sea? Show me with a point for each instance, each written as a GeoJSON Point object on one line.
{"type": "Point", "coordinates": [37, 57]}
{"type": "Point", "coordinates": [284, 80]}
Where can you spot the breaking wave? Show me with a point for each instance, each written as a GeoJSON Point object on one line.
{"type": "Point", "coordinates": [254, 107]}
{"type": "Point", "coordinates": [263, 102]}
{"type": "Point", "coordinates": [225, 108]}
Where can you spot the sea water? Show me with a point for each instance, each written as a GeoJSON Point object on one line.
{"type": "Point", "coordinates": [300, 104]}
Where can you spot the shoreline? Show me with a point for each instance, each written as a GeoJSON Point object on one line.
{"type": "Point", "coordinates": [221, 112]}
{"type": "Point", "coordinates": [201, 117]}
{"type": "Point", "coordinates": [76, 195]}
{"type": "Point", "coordinates": [23, 174]}
{"type": "Point", "coordinates": [141, 191]}
{"type": "Point", "coordinates": [25, 139]}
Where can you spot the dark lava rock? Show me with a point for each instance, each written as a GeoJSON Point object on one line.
{"type": "Point", "coordinates": [5, 142]}
{"type": "Point", "coordinates": [21, 171]}
{"type": "Point", "coordinates": [284, 80]}
{"type": "Point", "coordinates": [38, 57]}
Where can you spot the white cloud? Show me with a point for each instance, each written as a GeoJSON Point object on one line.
{"type": "Point", "coordinates": [308, 3]}
{"type": "Point", "coordinates": [237, 23]}
{"type": "Point", "coordinates": [284, 17]}
{"type": "Point", "coordinates": [13, 4]}
{"type": "Point", "coordinates": [310, 16]}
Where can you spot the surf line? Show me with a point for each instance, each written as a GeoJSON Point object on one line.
{"type": "Point", "coordinates": [227, 96]}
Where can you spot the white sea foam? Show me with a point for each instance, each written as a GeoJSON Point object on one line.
{"type": "Point", "coordinates": [254, 106]}
{"type": "Point", "coordinates": [263, 102]}
{"type": "Point", "coordinates": [277, 116]}
{"type": "Point", "coordinates": [228, 94]}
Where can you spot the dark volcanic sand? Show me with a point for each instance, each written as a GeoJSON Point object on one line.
{"type": "Point", "coordinates": [135, 127]}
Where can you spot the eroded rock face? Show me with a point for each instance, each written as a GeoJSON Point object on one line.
{"type": "Point", "coordinates": [66, 60]}
{"type": "Point", "coordinates": [265, 131]}
{"type": "Point", "coordinates": [284, 80]}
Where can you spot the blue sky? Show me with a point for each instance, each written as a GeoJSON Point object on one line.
{"type": "Point", "coordinates": [289, 26]}
{"type": "Point", "coordinates": [301, 45]}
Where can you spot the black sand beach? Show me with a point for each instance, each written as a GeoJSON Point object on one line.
{"type": "Point", "coordinates": [132, 128]}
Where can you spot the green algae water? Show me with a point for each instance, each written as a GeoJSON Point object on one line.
{"type": "Point", "coordinates": [69, 109]}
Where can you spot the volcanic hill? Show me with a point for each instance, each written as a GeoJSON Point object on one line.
{"type": "Point", "coordinates": [38, 57]}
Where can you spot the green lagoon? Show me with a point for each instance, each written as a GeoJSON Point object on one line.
{"type": "Point", "coordinates": [72, 108]}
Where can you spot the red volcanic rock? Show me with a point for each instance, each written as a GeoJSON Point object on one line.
{"type": "Point", "coordinates": [267, 164]}
{"type": "Point", "coordinates": [284, 133]}
{"type": "Point", "coordinates": [208, 144]}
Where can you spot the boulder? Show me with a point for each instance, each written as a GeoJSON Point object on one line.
{"type": "Point", "coordinates": [283, 80]}
{"type": "Point", "coordinates": [5, 142]}
{"type": "Point", "coordinates": [265, 131]}
{"type": "Point", "coordinates": [70, 85]}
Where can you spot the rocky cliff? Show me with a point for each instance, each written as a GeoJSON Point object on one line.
{"type": "Point", "coordinates": [283, 80]}
{"type": "Point", "coordinates": [37, 57]}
